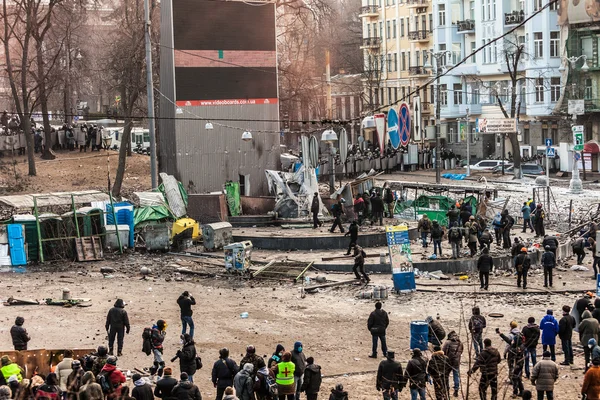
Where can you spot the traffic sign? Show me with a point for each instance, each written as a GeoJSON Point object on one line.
{"type": "Point", "coordinates": [404, 124]}
{"type": "Point", "coordinates": [417, 117]}
{"type": "Point", "coordinates": [550, 152]}
{"type": "Point", "coordinates": [577, 158]}
{"type": "Point", "coordinates": [392, 128]}
{"type": "Point", "coordinates": [548, 142]}
{"type": "Point", "coordinates": [577, 137]}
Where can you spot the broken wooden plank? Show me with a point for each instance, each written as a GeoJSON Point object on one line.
{"type": "Point", "coordinates": [331, 284]}
{"type": "Point", "coordinates": [304, 271]}
{"type": "Point", "coordinates": [254, 274]}
{"type": "Point", "coordinates": [21, 302]}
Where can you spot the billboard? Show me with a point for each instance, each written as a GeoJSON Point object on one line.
{"type": "Point", "coordinates": [578, 11]}
{"type": "Point", "coordinates": [495, 125]}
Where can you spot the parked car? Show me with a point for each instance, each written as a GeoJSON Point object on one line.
{"type": "Point", "coordinates": [498, 169]}
{"type": "Point", "coordinates": [487, 165]}
{"type": "Point", "coordinates": [527, 169]}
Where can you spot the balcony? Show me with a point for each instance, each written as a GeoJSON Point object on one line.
{"type": "Point", "coordinates": [369, 12]}
{"type": "Point", "coordinates": [514, 18]}
{"type": "Point", "coordinates": [371, 43]}
{"type": "Point", "coordinates": [417, 3]}
{"type": "Point", "coordinates": [426, 107]}
{"type": "Point", "coordinates": [418, 36]}
{"type": "Point", "coordinates": [466, 26]}
{"type": "Point", "coordinates": [418, 70]}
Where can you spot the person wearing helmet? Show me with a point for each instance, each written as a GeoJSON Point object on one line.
{"type": "Point", "coordinates": [548, 262]}
{"type": "Point", "coordinates": [158, 337]}
{"type": "Point", "coordinates": [252, 358]}
{"type": "Point", "coordinates": [114, 376]}
{"type": "Point", "coordinates": [522, 264]}
{"type": "Point", "coordinates": [223, 371]}
{"type": "Point", "coordinates": [337, 210]}
{"type": "Point", "coordinates": [19, 335]}
{"type": "Point", "coordinates": [100, 360]}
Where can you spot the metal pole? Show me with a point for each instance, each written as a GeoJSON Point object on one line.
{"type": "Point", "coordinates": [332, 170]}
{"type": "Point", "coordinates": [39, 232]}
{"type": "Point", "coordinates": [150, 91]}
{"type": "Point", "coordinates": [547, 170]}
{"type": "Point", "coordinates": [328, 85]}
{"type": "Point", "coordinates": [502, 161]}
{"type": "Point", "coordinates": [468, 145]}
{"type": "Point", "coordinates": [438, 152]}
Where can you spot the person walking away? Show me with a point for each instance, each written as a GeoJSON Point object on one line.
{"type": "Point", "coordinates": [299, 360]}
{"type": "Point", "coordinates": [276, 357]}
{"type": "Point", "coordinates": [100, 360]}
{"type": "Point", "coordinates": [19, 335]}
{"type": "Point", "coordinates": [368, 206]}
{"type": "Point", "coordinates": [353, 232]}
{"type": "Point", "coordinates": [284, 377]}
{"type": "Point", "coordinates": [472, 228]}
{"type": "Point", "coordinates": [515, 352]}
{"type": "Point", "coordinates": [544, 374]}
{"type": "Point", "coordinates": [314, 209]}
{"type": "Point", "coordinates": [416, 375]}
{"type": "Point", "coordinates": [243, 383]}
{"type": "Point", "coordinates": [549, 327]}
{"type": "Point", "coordinates": [223, 371]}
{"type": "Point", "coordinates": [311, 384]}
{"type": "Point", "coordinates": [377, 325]}
{"type": "Point", "coordinates": [522, 265]}
{"type": "Point", "coordinates": [424, 227]}
{"type": "Point", "coordinates": [261, 388]}
{"type": "Point", "coordinates": [591, 382]}
{"type": "Point", "coordinates": [63, 370]}
{"type": "Point", "coordinates": [531, 332]}
{"type": "Point", "coordinates": [390, 378]}
{"type": "Point", "coordinates": [389, 202]}
{"type": "Point", "coordinates": [186, 390]}
{"type": "Point", "coordinates": [596, 259]}
{"type": "Point", "coordinates": [552, 242]}
{"type": "Point", "coordinates": [452, 215]}
{"type": "Point", "coordinates": [359, 264]}
{"type": "Point", "coordinates": [117, 324]}
{"type": "Point", "coordinates": [485, 265]}
{"type": "Point", "coordinates": [539, 216]}
{"type": "Point", "coordinates": [252, 358]}
{"type": "Point", "coordinates": [338, 393]}
{"type": "Point", "coordinates": [565, 333]}
{"type": "Point", "coordinates": [74, 380]}
{"type": "Point", "coordinates": [436, 331]}
{"type": "Point", "coordinates": [588, 329]}
{"type": "Point", "coordinates": [50, 390]}
{"type": "Point", "coordinates": [477, 324]}
{"type": "Point", "coordinates": [578, 246]}
{"type": "Point", "coordinates": [497, 225]}
{"type": "Point", "coordinates": [377, 206]}
{"type": "Point", "coordinates": [437, 233]}
{"type": "Point", "coordinates": [526, 211]}
{"type": "Point", "coordinates": [187, 356]}
{"type": "Point", "coordinates": [337, 210]}
{"type": "Point", "coordinates": [359, 208]}
{"type": "Point", "coordinates": [439, 371]}
{"type": "Point", "coordinates": [89, 389]}
{"type": "Point", "coordinates": [548, 262]}
{"type": "Point", "coordinates": [141, 388]}
{"type": "Point", "coordinates": [165, 385]}
{"type": "Point", "coordinates": [185, 302]}
{"type": "Point", "coordinates": [466, 212]}
{"type": "Point", "coordinates": [582, 304]}
{"type": "Point", "coordinates": [506, 223]}
{"type": "Point", "coordinates": [453, 349]}
{"type": "Point", "coordinates": [114, 377]}
{"type": "Point", "coordinates": [486, 239]}
{"type": "Point", "coordinates": [455, 238]}
{"type": "Point", "coordinates": [159, 330]}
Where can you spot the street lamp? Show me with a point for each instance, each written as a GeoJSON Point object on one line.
{"type": "Point", "coordinates": [330, 137]}
{"type": "Point", "coordinates": [247, 136]}
{"type": "Point", "coordinates": [439, 55]}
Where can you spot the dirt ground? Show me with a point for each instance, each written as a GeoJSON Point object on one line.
{"type": "Point", "coordinates": [72, 171]}
{"type": "Point", "coordinates": [331, 323]}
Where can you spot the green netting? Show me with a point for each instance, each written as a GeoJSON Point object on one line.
{"type": "Point", "coordinates": [151, 213]}
{"type": "Point", "coordinates": [233, 198]}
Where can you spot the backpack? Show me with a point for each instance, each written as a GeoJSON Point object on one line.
{"type": "Point", "coordinates": [426, 224]}
{"type": "Point", "coordinates": [103, 379]}
{"type": "Point", "coordinates": [147, 341]}
{"type": "Point", "coordinates": [577, 245]}
{"type": "Point", "coordinates": [87, 362]}
{"type": "Point", "coordinates": [473, 229]}
{"type": "Point", "coordinates": [518, 343]}
{"type": "Point", "coordinates": [526, 262]}
{"type": "Point", "coordinates": [271, 387]}
{"type": "Point", "coordinates": [436, 231]}
{"type": "Point", "coordinates": [454, 234]}
{"type": "Point", "coordinates": [477, 325]}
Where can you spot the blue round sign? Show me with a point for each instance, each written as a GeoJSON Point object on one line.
{"type": "Point", "coordinates": [404, 124]}
{"type": "Point", "coordinates": [392, 128]}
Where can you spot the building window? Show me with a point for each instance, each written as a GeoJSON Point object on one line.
{"type": "Point", "coordinates": [395, 94]}
{"type": "Point", "coordinates": [553, 6]}
{"type": "Point", "coordinates": [368, 30]}
{"type": "Point", "coordinates": [537, 4]}
{"type": "Point", "coordinates": [444, 95]}
{"type": "Point", "coordinates": [442, 59]}
{"type": "Point", "coordinates": [381, 29]}
{"type": "Point", "coordinates": [401, 27]}
{"type": "Point", "coordinates": [382, 95]}
{"type": "Point", "coordinates": [475, 95]}
{"type": "Point", "coordinates": [388, 30]}
{"type": "Point", "coordinates": [442, 15]}
{"type": "Point", "coordinates": [539, 90]}
{"type": "Point", "coordinates": [554, 89]}
{"type": "Point", "coordinates": [526, 136]}
{"type": "Point", "coordinates": [588, 89]}
{"type": "Point", "coordinates": [472, 10]}
{"type": "Point", "coordinates": [424, 22]}
{"type": "Point", "coordinates": [389, 63]}
{"type": "Point", "coordinates": [403, 61]}
{"type": "Point", "coordinates": [403, 92]}
{"type": "Point", "coordinates": [538, 44]}
{"type": "Point", "coordinates": [394, 29]}
{"type": "Point", "coordinates": [417, 57]}
{"type": "Point", "coordinates": [374, 29]}
{"type": "Point", "coordinates": [474, 56]}
{"type": "Point", "coordinates": [430, 22]}
{"type": "Point", "coordinates": [485, 53]}
{"type": "Point", "coordinates": [458, 95]}
{"type": "Point", "coordinates": [389, 95]}
{"type": "Point", "coordinates": [554, 43]}
{"type": "Point", "coordinates": [395, 61]}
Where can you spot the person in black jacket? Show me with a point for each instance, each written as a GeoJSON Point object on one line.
{"type": "Point", "coordinates": [548, 262]}
{"type": "Point", "coordinates": [353, 232]}
{"type": "Point", "coordinates": [416, 375]}
{"type": "Point", "coordinates": [437, 233]}
{"type": "Point", "coordinates": [487, 361]}
{"type": "Point", "coordinates": [186, 390]}
{"type": "Point", "coordinates": [377, 325]}
{"type": "Point", "coordinates": [117, 324]}
{"type": "Point", "coordinates": [377, 207]}
{"type": "Point", "coordinates": [312, 379]}
{"type": "Point", "coordinates": [390, 377]}
{"type": "Point", "coordinates": [531, 332]}
{"type": "Point", "coordinates": [337, 210]}
{"type": "Point", "coordinates": [452, 215]}
{"type": "Point", "coordinates": [223, 372]}
{"type": "Point", "coordinates": [565, 333]}
{"type": "Point", "coordinates": [506, 223]}
{"type": "Point", "coordinates": [552, 242]}
{"type": "Point", "coordinates": [19, 335]}
{"type": "Point", "coordinates": [187, 356]}
{"type": "Point", "coordinates": [164, 386]}
{"type": "Point", "coordinates": [186, 301]}
{"type": "Point", "coordinates": [485, 264]}
{"type": "Point", "coordinates": [314, 209]}
{"type": "Point", "coordinates": [142, 389]}
{"type": "Point", "coordinates": [522, 265]}
{"type": "Point", "coordinates": [389, 202]}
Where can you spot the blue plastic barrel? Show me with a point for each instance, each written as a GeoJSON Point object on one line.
{"type": "Point", "coordinates": [419, 334]}
{"type": "Point", "coordinates": [404, 281]}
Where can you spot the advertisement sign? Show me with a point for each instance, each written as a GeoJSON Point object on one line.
{"type": "Point", "coordinates": [587, 157]}
{"type": "Point", "coordinates": [403, 273]}
{"type": "Point", "coordinates": [495, 125]}
{"type": "Point", "coordinates": [577, 137]}
{"type": "Point", "coordinates": [404, 124]}
{"type": "Point", "coordinates": [577, 12]}
{"type": "Point", "coordinates": [576, 107]}
{"type": "Point", "coordinates": [392, 128]}
{"type": "Point", "coordinates": [380, 126]}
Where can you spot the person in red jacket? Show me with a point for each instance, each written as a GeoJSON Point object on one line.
{"type": "Point", "coordinates": [115, 376]}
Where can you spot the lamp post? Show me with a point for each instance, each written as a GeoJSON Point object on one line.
{"type": "Point", "coordinates": [438, 58]}
{"type": "Point", "coordinates": [329, 137]}
{"type": "Point", "coordinates": [575, 184]}
{"type": "Point", "coordinates": [468, 145]}
{"type": "Point", "coordinates": [107, 141]}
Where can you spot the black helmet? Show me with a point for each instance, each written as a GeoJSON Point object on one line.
{"type": "Point", "coordinates": [112, 360]}
{"type": "Point", "coordinates": [224, 352]}
{"type": "Point", "coordinates": [102, 351]}
{"type": "Point", "coordinates": [250, 349]}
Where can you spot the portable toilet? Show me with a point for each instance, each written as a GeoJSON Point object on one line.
{"type": "Point", "coordinates": [124, 214]}
{"type": "Point", "coordinates": [238, 256]}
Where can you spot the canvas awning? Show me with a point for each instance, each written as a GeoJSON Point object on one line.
{"type": "Point", "coordinates": [591, 147]}
{"type": "Point", "coordinates": [53, 199]}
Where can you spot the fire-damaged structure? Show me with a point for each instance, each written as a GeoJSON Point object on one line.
{"type": "Point", "coordinates": [294, 192]}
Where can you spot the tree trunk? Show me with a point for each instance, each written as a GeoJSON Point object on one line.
{"type": "Point", "coordinates": [48, 154]}
{"type": "Point", "coordinates": [125, 139]}
{"type": "Point", "coordinates": [26, 126]}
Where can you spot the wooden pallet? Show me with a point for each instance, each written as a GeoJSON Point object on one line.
{"type": "Point", "coordinates": [89, 248]}
{"type": "Point", "coordinates": [282, 270]}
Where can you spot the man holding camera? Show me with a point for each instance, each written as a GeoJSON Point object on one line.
{"type": "Point", "coordinates": [186, 301]}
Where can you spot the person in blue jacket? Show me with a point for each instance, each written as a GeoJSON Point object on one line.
{"type": "Point", "coordinates": [526, 217]}
{"type": "Point", "coordinates": [549, 327]}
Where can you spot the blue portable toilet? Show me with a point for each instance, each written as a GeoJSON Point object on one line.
{"type": "Point", "coordinates": [124, 214]}
{"type": "Point", "coordinates": [16, 243]}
